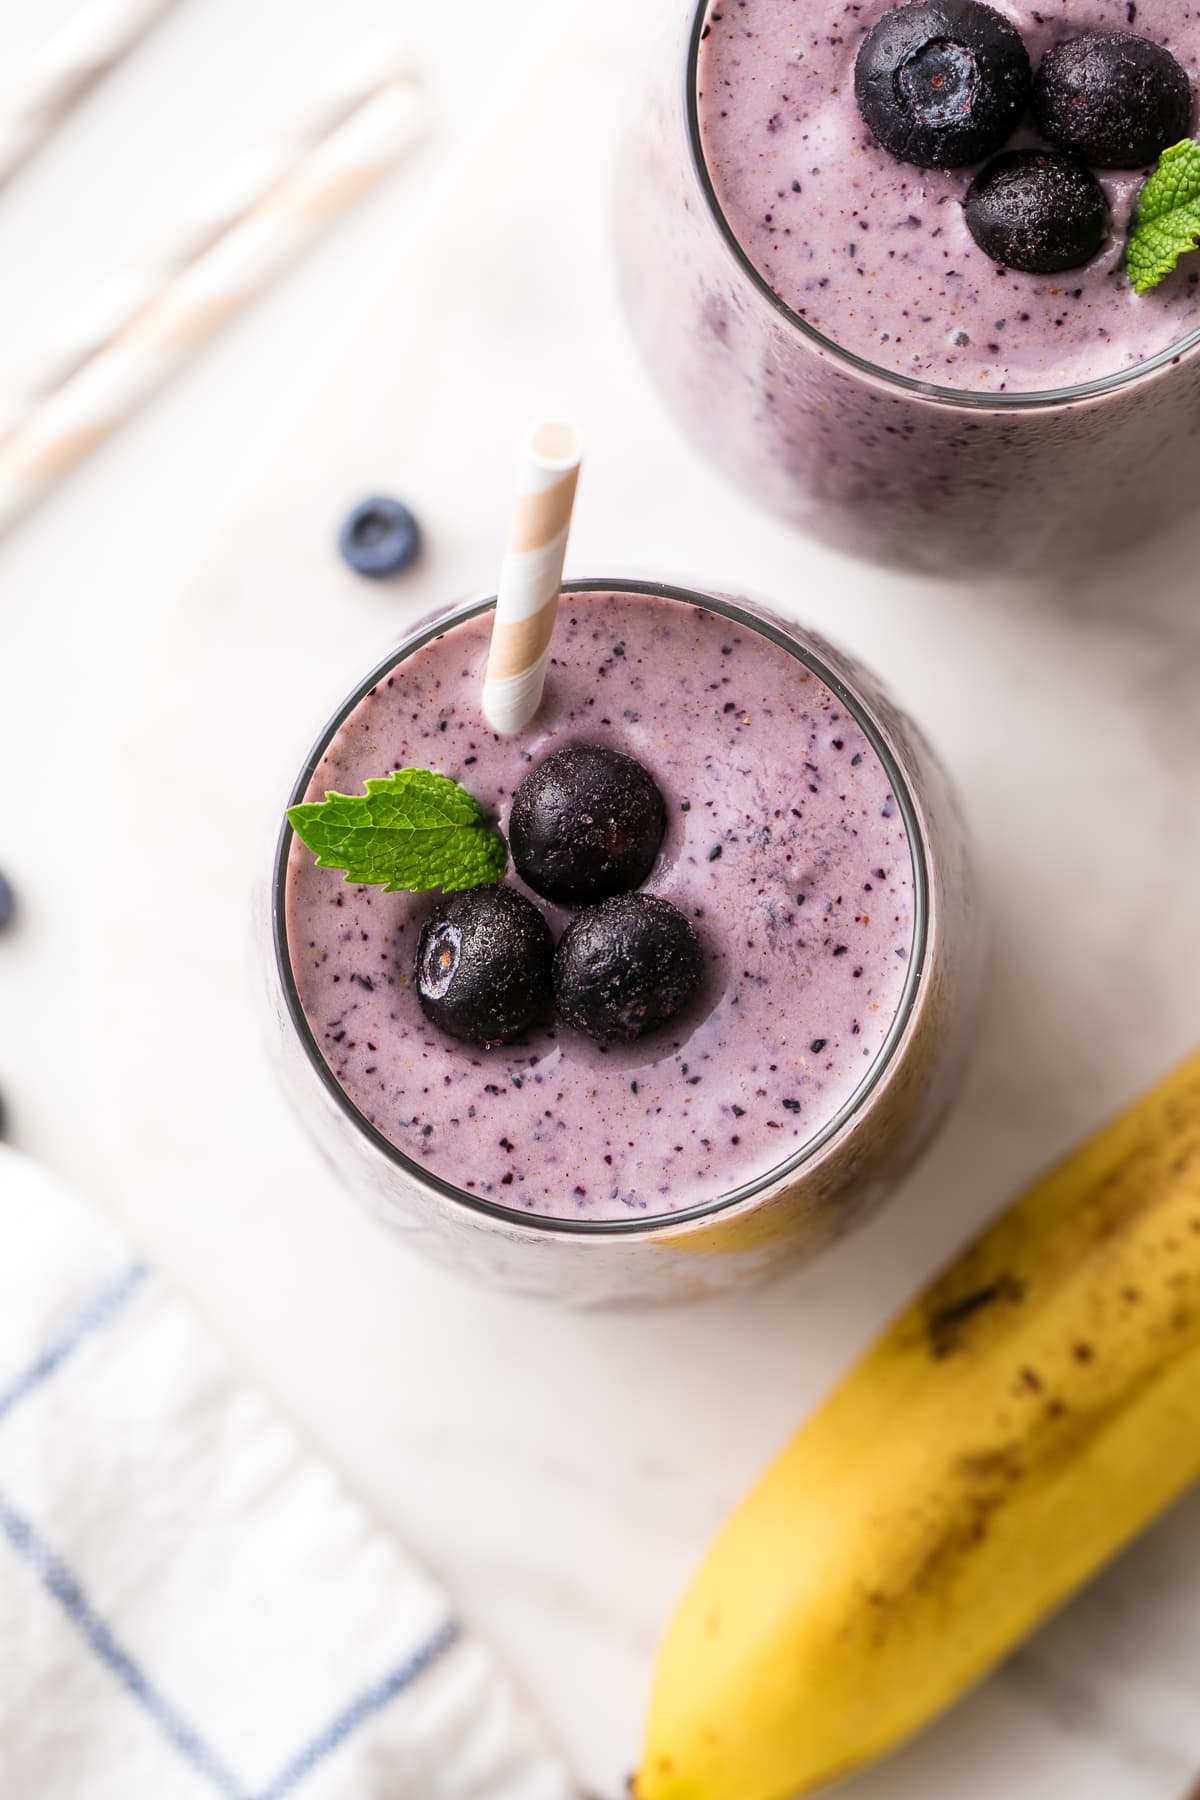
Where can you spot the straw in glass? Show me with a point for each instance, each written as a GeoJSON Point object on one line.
{"type": "Point", "coordinates": [531, 577]}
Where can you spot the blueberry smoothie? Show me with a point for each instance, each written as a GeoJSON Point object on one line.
{"type": "Point", "coordinates": [921, 345]}
{"type": "Point", "coordinates": [826, 892]}
{"type": "Point", "coordinates": [785, 847]}
{"type": "Point", "coordinates": [874, 252]}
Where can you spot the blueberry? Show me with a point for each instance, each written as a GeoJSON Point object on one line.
{"type": "Point", "coordinates": [942, 84]}
{"type": "Point", "coordinates": [626, 967]}
{"type": "Point", "coordinates": [1112, 98]}
{"type": "Point", "coordinates": [1037, 210]}
{"type": "Point", "coordinates": [380, 537]}
{"type": "Point", "coordinates": [8, 905]}
{"type": "Point", "coordinates": [484, 965]}
{"type": "Point", "coordinates": [586, 823]}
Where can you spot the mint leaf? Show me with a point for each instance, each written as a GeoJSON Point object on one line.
{"type": "Point", "coordinates": [411, 830]}
{"type": "Point", "coordinates": [1166, 223]}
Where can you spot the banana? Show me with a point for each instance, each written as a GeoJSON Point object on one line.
{"type": "Point", "coordinates": [1024, 1419]}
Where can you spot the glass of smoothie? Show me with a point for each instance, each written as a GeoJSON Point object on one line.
{"type": "Point", "coordinates": [812, 843]}
{"type": "Point", "coordinates": [827, 328]}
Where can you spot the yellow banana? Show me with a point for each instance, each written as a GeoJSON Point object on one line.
{"type": "Point", "coordinates": [1031, 1413]}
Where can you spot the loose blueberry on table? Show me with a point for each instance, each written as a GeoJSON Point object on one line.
{"type": "Point", "coordinates": [586, 823]}
{"type": "Point", "coordinates": [380, 537]}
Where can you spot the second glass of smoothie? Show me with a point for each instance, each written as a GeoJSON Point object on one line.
{"type": "Point", "coordinates": [827, 330]}
{"type": "Point", "coordinates": [815, 845]}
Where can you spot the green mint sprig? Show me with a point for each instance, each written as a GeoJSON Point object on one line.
{"type": "Point", "coordinates": [412, 830]}
{"type": "Point", "coordinates": [1166, 222]}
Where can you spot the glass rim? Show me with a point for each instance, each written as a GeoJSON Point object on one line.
{"type": "Point", "coordinates": [1024, 401]}
{"type": "Point", "coordinates": [656, 1223]}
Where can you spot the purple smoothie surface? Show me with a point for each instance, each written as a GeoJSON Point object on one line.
{"type": "Point", "coordinates": [874, 253]}
{"type": "Point", "coordinates": [785, 847]}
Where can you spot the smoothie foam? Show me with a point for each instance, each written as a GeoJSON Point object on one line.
{"type": "Point", "coordinates": [874, 253]}
{"type": "Point", "coordinates": [785, 846]}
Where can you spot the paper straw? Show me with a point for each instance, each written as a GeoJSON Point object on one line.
{"type": "Point", "coordinates": [219, 205]}
{"type": "Point", "coordinates": [531, 577]}
{"type": "Point", "coordinates": [74, 57]}
{"type": "Point", "coordinates": [234, 270]}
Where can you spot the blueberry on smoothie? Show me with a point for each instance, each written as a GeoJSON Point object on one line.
{"type": "Point", "coordinates": [1112, 98]}
{"type": "Point", "coordinates": [586, 823]}
{"type": "Point", "coordinates": [942, 83]}
{"type": "Point", "coordinates": [380, 537]}
{"type": "Point", "coordinates": [484, 965]}
{"type": "Point", "coordinates": [626, 967]}
{"type": "Point", "coordinates": [1038, 211]}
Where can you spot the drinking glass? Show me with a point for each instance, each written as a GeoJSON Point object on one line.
{"type": "Point", "coordinates": [897, 470]}
{"type": "Point", "coordinates": [771, 1221]}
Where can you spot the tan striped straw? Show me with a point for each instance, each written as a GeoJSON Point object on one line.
{"type": "Point", "coordinates": [109, 386]}
{"type": "Point", "coordinates": [84, 46]}
{"type": "Point", "coordinates": [219, 204]}
{"type": "Point", "coordinates": [531, 576]}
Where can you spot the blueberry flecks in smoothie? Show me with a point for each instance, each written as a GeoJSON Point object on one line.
{"type": "Point", "coordinates": [876, 254]}
{"type": "Point", "coordinates": [813, 856]}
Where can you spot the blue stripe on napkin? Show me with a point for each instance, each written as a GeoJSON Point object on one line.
{"type": "Point", "coordinates": [95, 1316]}
{"type": "Point", "coordinates": [369, 1702]}
{"type": "Point", "coordinates": [62, 1586]}
{"type": "Point", "coordinates": [65, 1588]}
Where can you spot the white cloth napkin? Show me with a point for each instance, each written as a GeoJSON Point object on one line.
{"type": "Point", "coordinates": [190, 1603]}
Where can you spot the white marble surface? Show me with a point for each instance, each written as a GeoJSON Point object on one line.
{"type": "Point", "coordinates": [560, 1472]}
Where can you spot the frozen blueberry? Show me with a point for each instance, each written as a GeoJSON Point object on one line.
{"type": "Point", "coordinates": [1112, 98]}
{"type": "Point", "coordinates": [484, 965]}
{"type": "Point", "coordinates": [1038, 211]}
{"type": "Point", "coordinates": [8, 905]}
{"type": "Point", "coordinates": [380, 537]}
{"type": "Point", "coordinates": [586, 823]}
{"type": "Point", "coordinates": [626, 967]}
{"type": "Point", "coordinates": [942, 83]}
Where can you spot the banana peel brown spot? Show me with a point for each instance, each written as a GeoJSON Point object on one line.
{"type": "Point", "coordinates": [947, 1326]}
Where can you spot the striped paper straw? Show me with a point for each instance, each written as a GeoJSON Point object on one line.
{"type": "Point", "coordinates": [77, 54]}
{"type": "Point", "coordinates": [531, 577]}
{"type": "Point", "coordinates": [234, 270]}
{"type": "Point", "coordinates": [219, 205]}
